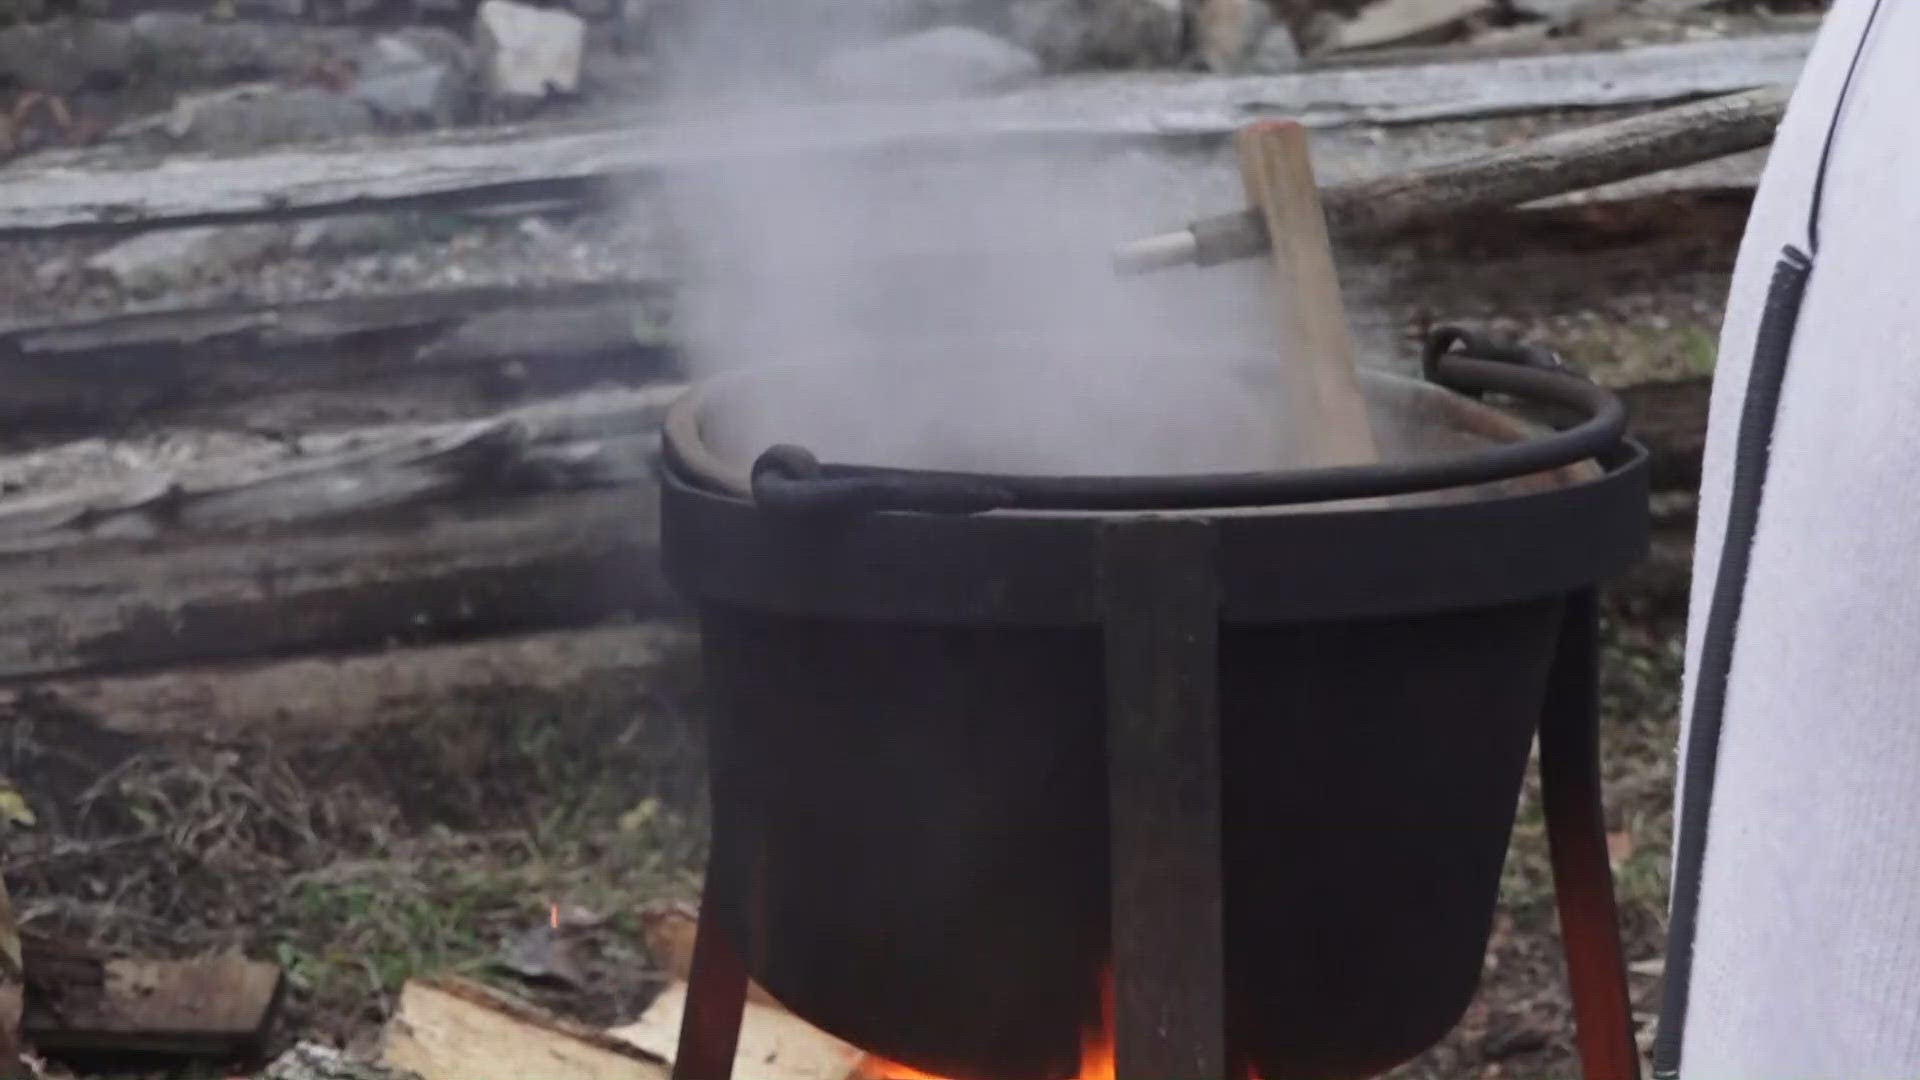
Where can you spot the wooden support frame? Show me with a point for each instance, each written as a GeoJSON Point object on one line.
{"type": "Point", "coordinates": [1160, 591]}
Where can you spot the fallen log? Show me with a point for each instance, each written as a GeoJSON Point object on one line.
{"type": "Point", "coordinates": [1566, 161]}
{"type": "Point", "coordinates": [308, 322]}
{"type": "Point", "coordinates": [340, 542]}
{"type": "Point", "coordinates": [65, 193]}
{"type": "Point", "coordinates": [95, 1012]}
{"type": "Point", "coordinates": [424, 355]}
{"type": "Point", "coordinates": [286, 701]}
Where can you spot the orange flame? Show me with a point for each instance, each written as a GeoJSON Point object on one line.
{"type": "Point", "coordinates": [1096, 1049]}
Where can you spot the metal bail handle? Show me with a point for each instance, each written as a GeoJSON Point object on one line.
{"type": "Point", "coordinates": [790, 479]}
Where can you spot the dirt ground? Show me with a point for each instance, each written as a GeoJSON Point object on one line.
{"type": "Point", "coordinates": [424, 843]}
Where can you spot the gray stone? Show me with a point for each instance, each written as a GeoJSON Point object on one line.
{"type": "Point", "coordinates": [50, 274]}
{"type": "Point", "coordinates": [944, 60]}
{"type": "Point", "coordinates": [526, 52]}
{"type": "Point", "coordinates": [416, 43]}
{"type": "Point", "coordinates": [351, 233]}
{"type": "Point", "coordinates": [1227, 32]}
{"type": "Point", "coordinates": [1100, 33]}
{"type": "Point", "coordinates": [259, 115]}
{"type": "Point", "coordinates": [1277, 54]}
{"type": "Point", "coordinates": [160, 260]}
{"type": "Point", "coordinates": [405, 79]}
{"type": "Point", "coordinates": [312, 1061]}
{"type": "Point", "coordinates": [423, 92]}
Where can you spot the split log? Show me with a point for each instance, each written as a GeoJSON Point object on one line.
{"type": "Point", "coordinates": [452, 1029]}
{"type": "Point", "coordinates": [91, 1012]}
{"type": "Point", "coordinates": [62, 193]}
{"type": "Point", "coordinates": [342, 542]}
{"type": "Point", "coordinates": [774, 1043]}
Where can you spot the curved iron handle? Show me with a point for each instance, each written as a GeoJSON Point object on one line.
{"type": "Point", "coordinates": [789, 479]}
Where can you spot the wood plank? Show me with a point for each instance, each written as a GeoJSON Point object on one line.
{"type": "Point", "coordinates": [75, 193]}
{"type": "Point", "coordinates": [452, 1029]}
{"type": "Point", "coordinates": [143, 1014]}
{"type": "Point", "coordinates": [1322, 392]}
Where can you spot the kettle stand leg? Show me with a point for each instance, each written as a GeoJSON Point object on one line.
{"type": "Point", "coordinates": [716, 1000]}
{"type": "Point", "coordinates": [1577, 837]}
{"type": "Point", "coordinates": [1160, 595]}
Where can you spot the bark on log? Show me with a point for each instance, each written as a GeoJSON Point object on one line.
{"type": "Point", "coordinates": [61, 193]}
{"type": "Point", "coordinates": [1568, 161]}
{"type": "Point", "coordinates": [541, 518]}
{"type": "Point", "coordinates": [330, 697]}
{"type": "Point", "coordinates": [1527, 172]}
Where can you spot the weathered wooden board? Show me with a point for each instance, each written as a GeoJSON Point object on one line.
{"type": "Point", "coordinates": [539, 518]}
{"type": "Point", "coordinates": [424, 355]}
{"type": "Point", "coordinates": [75, 192]}
{"type": "Point", "coordinates": [122, 1013]}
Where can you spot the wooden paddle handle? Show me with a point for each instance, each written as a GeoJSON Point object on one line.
{"type": "Point", "coordinates": [1325, 408]}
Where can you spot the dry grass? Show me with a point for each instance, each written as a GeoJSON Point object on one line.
{"type": "Point", "coordinates": [420, 846]}
{"type": "Point", "coordinates": [360, 861]}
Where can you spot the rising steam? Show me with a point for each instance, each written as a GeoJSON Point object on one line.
{"type": "Point", "coordinates": [954, 289]}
